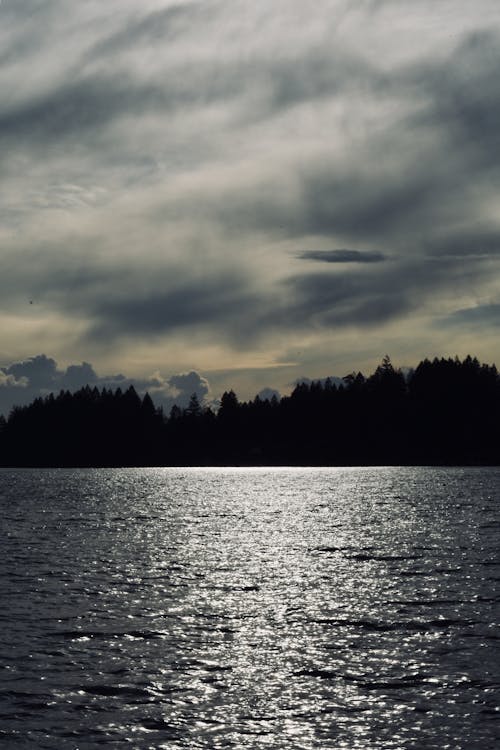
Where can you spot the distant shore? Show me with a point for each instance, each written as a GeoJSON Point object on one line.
{"type": "Point", "coordinates": [445, 412]}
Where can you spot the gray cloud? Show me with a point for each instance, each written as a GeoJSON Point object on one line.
{"type": "Point", "coordinates": [10, 381]}
{"type": "Point", "coordinates": [87, 105]}
{"type": "Point", "coordinates": [348, 300]}
{"type": "Point", "coordinates": [370, 297]}
{"type": "Point", "coordinates": [465, 101]}
{"type": "Point", "coordinates": [40, 369]}
{"type": "Point", "coordinates": [39, 375]}
{"type": "Point", "coordinates": [21, 382]}
{"type": "Point", "coordinates": [185, 384]}
{"type": "Point", "coordinates": [164, 165]}
{"type": "Point", "coordinates": [219, 302]}
{"type": "Point", "coordinates": [84, 105]}
{"type": "Point", "coordinates": [156, 27]}
{"type": "Point", "coordinates": [478, 242]}
{"type": "Point", "coordinates": [343, 256]}
{"type": "Point", "coordinates": [475, 317]}
{"type": "Point", "coordinates": [77, 376]}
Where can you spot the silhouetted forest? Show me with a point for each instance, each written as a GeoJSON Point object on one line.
{"type": "Point", "coordinates": [445, 411]}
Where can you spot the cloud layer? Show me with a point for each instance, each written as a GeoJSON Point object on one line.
{"type": "Point", "coordinates": [218, 186]}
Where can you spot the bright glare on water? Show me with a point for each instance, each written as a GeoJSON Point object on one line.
{"type": "Point", "coordinates": [250, 608]}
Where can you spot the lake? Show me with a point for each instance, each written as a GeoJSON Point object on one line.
{"type": "Point", "coordinates": [250, 608]}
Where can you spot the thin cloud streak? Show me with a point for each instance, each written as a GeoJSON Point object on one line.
{"type": "Point", "coordinates": [343, 256]}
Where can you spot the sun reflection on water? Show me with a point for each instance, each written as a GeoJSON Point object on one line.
{"type": "Point", "coordinates": [244, 608]}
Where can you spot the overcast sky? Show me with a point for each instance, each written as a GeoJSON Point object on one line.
{"type": "Point", "coordinates": [246, 191]}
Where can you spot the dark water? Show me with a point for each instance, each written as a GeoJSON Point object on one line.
{"type": "Point", "coordinates": [258, 608]}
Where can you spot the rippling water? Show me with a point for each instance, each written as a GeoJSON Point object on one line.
{"type": "Point", "coordinates": [250, 608]}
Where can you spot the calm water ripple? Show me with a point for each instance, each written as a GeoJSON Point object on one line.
{"type": "Point", "coordinates": [250, 608]}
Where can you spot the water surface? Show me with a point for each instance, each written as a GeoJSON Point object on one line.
{"type": "Point", "coordinates": [250, 608]}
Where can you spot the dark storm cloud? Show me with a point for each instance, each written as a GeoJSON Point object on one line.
{"type": "Point", "coordinates": [343, 256]}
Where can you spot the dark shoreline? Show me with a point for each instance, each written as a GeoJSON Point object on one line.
{"type": "Point", "coordinates": [443, 413]}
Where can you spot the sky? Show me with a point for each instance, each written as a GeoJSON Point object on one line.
{"type": "Point", "coordinates": [213, 194]}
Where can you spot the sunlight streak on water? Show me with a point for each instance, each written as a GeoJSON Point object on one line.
{"type": "Point", "coordinates": [274, 608]}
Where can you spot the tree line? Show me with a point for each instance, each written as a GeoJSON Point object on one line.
{"type": "Point", "coordinates": [445, 411]}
